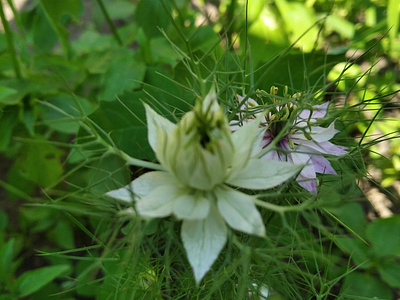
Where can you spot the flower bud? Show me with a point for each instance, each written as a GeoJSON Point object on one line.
{"type": "Point", "coordinates": [200, 150]}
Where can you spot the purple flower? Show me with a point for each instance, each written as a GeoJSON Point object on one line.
{"type": "Point", "coordinates": [304, 143]}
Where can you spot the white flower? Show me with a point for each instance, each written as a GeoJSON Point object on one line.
{"type": "Point", "coordinates": [202, 160]}
{"type": "Point", "coordinates": [304, 144]}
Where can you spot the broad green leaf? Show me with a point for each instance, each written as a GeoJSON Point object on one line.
{"type": "Point", "coordinates": [359, 285]}
{"type": "Point", "coordinates": [239, 211]}
{"type": "Point", "coordinates": [58, 10]}
{"type": "Point", "coordinates": [358, 251]}
{"type": "Point", "coordinates": [390, 272]}
{"type": "Point", "coordinates": [352, 215]}
{"type": "Point", "coordinates": [204, 39]}
{"type": "Point", "coordinates": [57, 13]}
{"type": "Point", "coordinates": [62, 235]}
{"type": "Point", "coordinates": [93, 42]}
{"type": "Point", "coordinates": [341, 25]}
{"type": "Point", "coordinates": [40, 162]}
{"type": "Point", "coordinates": [125, 73]}
{"type": "Point", "coordinates": [59, 112]}
{"type": "Point", "coordinates": [125, 122]}
{"type": "Point", "coordinates": [32, 281]}
{"type": "Point", "coordinates": [7, 254]}
{"type": "Point", "coordinates": [3, 220]}
{"type": "Point", "coordinates": [104, 173]}
{"type": "Point", "coordinates": [152, 16]}
{"type": "Point", "coordinates": [203, 241]}
{"type": "Point", "coordinates": [393, 11]}
{"type": "Point", "coordinates": [6, 96]}
{"type": "Point", "coordinates": [299, 19]}
{"type": "Point", "coordinates": [384, 235]}
{"type": "Point", "coordinates": [8, 121]}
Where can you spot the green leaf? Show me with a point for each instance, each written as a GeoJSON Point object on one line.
{"type": "Point", "coordinates": [3, 220]}
{"type": "Point", "coordinates": [32, 281]}
{"type": "Point", "coordinates": [8, 121]}
{"type": "Point", "coordinates": [6, 96]}
{"type": "Point", "coordinates": [151, 16]}
{"type": "Point", "coordinates": [393, 18]}
{"type": "Point", "coordinates": [384, 235]}
{"type": "Point", "coordinates": [64, 121]}
{"type": "Point", "coordinates": [358, 251]}
{"type": "Point", "coordinates": [390, 272]}
{"type": "Point", "coordinates": [125, 122]}
{"type": "Point", "coordinates": [352, 215]}
{"type": "Point", "coordinates": [125, 73]}
{"type": "Point", "coordinates": [40, 162]}
{"type": "Point", "coordinates": [57, 13]}
{"type": "Point", "coordinates": [7, 253]}
{"type": "Point", "coordinates": [62, 235]}
{"type": "Point", "coordinates": [358, 285]}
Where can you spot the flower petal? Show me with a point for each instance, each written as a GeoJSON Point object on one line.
{"type": "Point", "coordinates": [141, 186]}
{"type": "Point", "coordinates": [156, 126]}
{"type": "Point", "coordinates": [324, 134]}
{"type": "Point", "coordinates": [125, 193]}
{"type": "Point", "coordinates": [203, 241]}
{"type": "Point", "coordinates": [159, 202]}
{"type": "Point", "coordinates": [322, 165]}
{"type": "Point", "coordinates": [148, 182]}
{"type": "Point", "coordinates": [239, 211]}
{"type": "Point", "coordinates": [191, 207]}
{"type": "Point", "coordinates": [323, 147]}
{"type": "Point", "coordinates": [261, 174]}
{"type": "Point", "coordinates": [243, 141]}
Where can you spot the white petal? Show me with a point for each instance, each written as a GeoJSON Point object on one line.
{"type": "Point", "coordinates": [239, 211]}
{"type": "Point", "coordinates": [325, 134]}
{"type": "Point", "coordinates": [191, 207]}
{"type": "Point", "coordinates": [156, 125]}
{"type": "Point", "coordinates": [203, 241]}
{"type": "Point", "coordinates": [159, 202]}
{"type": "Point", "coordinates": [142, 185]}
{"type": "Point", "coordinates": [146, 183]}
{"type": "Point", "coordinates": [261, 174]}
{"type": "Point", "coordinates": [243, 141]}
{"type": "Point", "coordinates": [210, 102]}
{"type": "Point", "coordinates": [124, 194]}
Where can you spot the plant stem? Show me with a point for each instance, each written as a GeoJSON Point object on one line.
{"type": "Point", "coordinates": [10, 43]}
{"type": "Point", "coordinates": [110, 22]}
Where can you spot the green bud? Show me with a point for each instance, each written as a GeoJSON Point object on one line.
{"type": "Point", "coordinates": [307, 135]}
{"type": "Point", "coordinates": [201, 150]}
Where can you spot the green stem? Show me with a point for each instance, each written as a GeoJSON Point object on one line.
{"type": "Point", "coordinates": [283, 209]}
{"type": "Point", "coordinates": [10, 43]}
{"type": "Point", "coordinates": [110, 22]}
{"type": "Point", "coordinates": [59, 31]}
{"type": "Point", "coordinates": [17, 19]}
{"type": "Point", "coordinates": [130, 160]}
